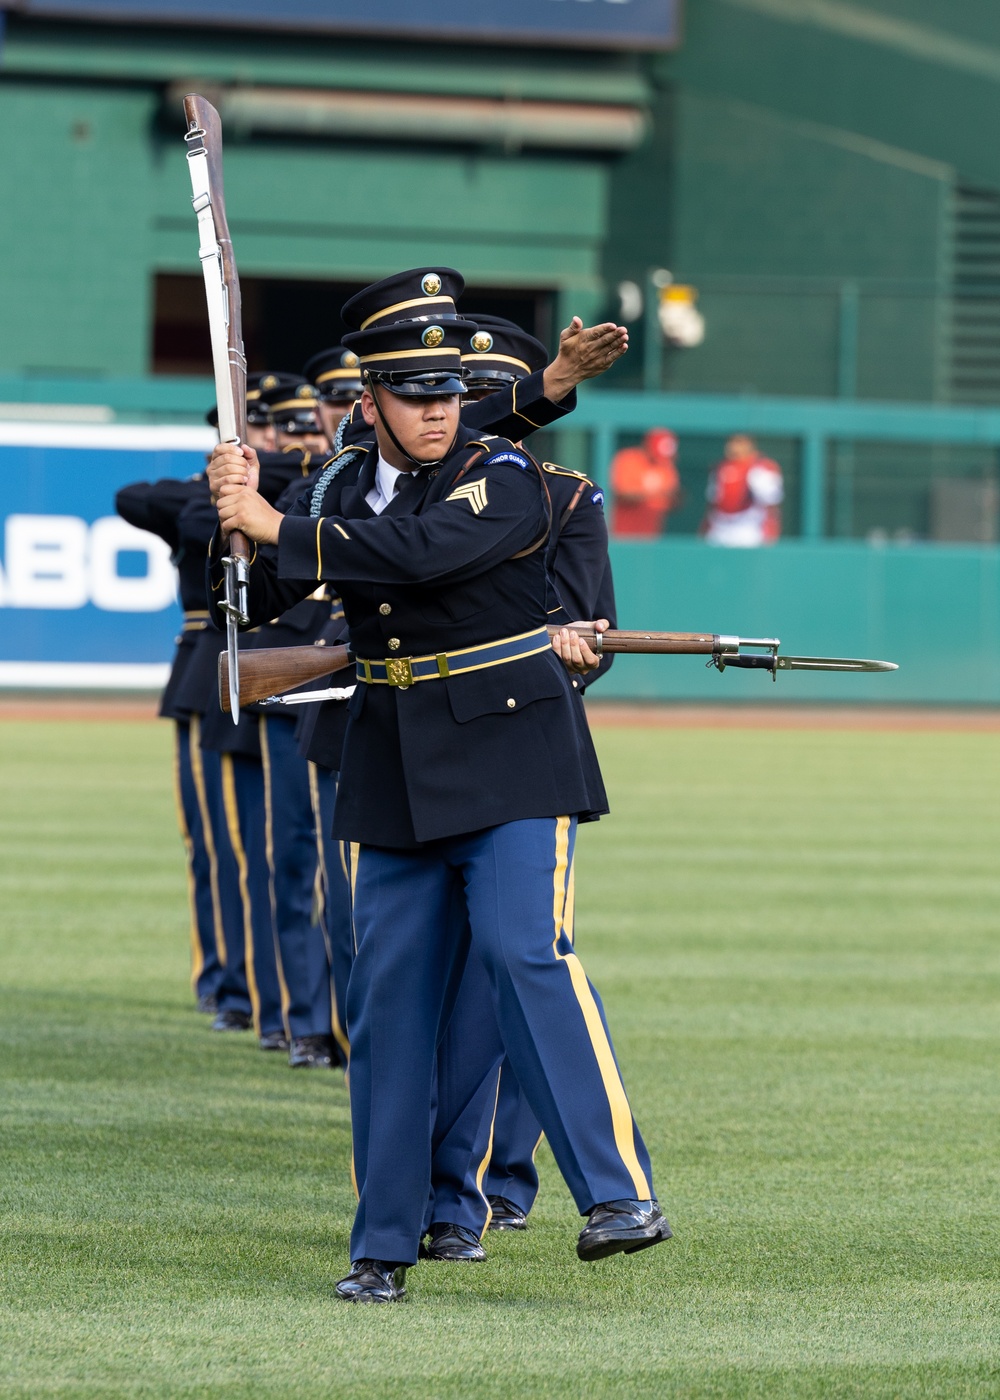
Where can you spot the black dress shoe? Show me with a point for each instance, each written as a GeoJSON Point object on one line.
{"type": "Point", "coordinates": [312, 1052]}
{"type": "Point", "coordinates": [273, 1040]}
{"type": "Point", "coordinates": [506, 1215]}
{"type": "Point", "coordinates": [453, 1244]}
{"type": "Point", "coordinates": [232, 1021]}
{"type": "Point", "coordinates": [208, 1005]}
{"type": "Point", "coordinates": [373, 1281]}
{"type": "Point", "coordinates": [622, 1227]}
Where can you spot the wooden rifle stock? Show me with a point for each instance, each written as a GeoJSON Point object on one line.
{"type": "Point", "coordinates": [276, 670]}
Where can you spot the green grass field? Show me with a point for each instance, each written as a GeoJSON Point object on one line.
{"type": "Point", "coordinates": [797, 936]}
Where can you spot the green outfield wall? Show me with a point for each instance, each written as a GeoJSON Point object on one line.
{"type": "Point", "coordinates": [933, 609]}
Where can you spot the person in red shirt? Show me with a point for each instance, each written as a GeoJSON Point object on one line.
{"type": "Point", "coordinates": [645, 485]}
{"type": "Point", "coordinates": [744, 495]}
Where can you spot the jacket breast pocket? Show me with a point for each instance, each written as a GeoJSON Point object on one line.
{"type": "Point", "coordinates": [439, 606]}
{"type": "Point", "coordinates": [506, 690]}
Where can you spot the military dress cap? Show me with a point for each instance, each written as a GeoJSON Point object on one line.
{"type": "Point", "coordinates": [421, 294]}
{"type": "Point", "coordinates": [257, 410]}
{"type": "Point", "coordinates": [414, 358]}
{"type": "Point", "coordinates": [336, 374]}
{"type": "Point", "coordinates": [500, 352]}
{"type": "Point", "coordinates": [292, 404]}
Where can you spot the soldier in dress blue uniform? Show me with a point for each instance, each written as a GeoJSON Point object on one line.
{"type": "Point", "coordinates": [161, 508]}
{"type": "Point", "coordinates": [467, 765]}
{"type": "Point", "coordinates": [337, 376]}
{"type": "Point", "coordinates": [465, 1201]}
{"type": "Point", "coordinates": [180, 512]}
{"type": "Point", "coordinates": [293, 852]}
{"type": "Point", "coordinates": [295, 418]}
{"type": "Point", "coordinates": [251, 992]}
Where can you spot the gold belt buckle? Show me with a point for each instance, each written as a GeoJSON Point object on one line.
{"type": "Point", "coordinates": [399, 672]}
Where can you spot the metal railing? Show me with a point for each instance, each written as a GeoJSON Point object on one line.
{"type": "Point", "coordinates": [816, 425]}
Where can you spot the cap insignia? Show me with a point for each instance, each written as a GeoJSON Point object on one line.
{"type": "Point", "coordinates": [433, 336]}
{"type": "Point", "coordinates": [349, 360]}
{"type": "Point", "coordinates": [481, 342]}
{"type": "Point", "coordinates": [269, 382]}
{"type": "Point", "coordinates": [431, 284]}
{"type": "Point", "coordinates": [305, 391]}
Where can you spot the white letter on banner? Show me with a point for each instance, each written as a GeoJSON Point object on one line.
{"type": "Point", "coordinates": [114, 592]}
{"type": "Point", "coordinates": [46, 561]}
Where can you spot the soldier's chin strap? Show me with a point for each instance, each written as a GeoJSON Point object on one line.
{"type": "Point", "coordinates": [396, 442]}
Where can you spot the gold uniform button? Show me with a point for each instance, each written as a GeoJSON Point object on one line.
{"type": "Point", "coordinates": [385, 609]}
{"type": "Point", "coordinates": [511, 703]}
{"type": "Point", "coordinates": [393, 643]}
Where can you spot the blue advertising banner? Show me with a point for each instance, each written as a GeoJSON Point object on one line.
{"type": "Point", "coordinates": [86, 600]}
{"type": "Point", "coordinates": [621, 23]}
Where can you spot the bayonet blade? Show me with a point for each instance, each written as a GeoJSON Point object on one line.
{"type": "Point", "coordinates": [832, 663]}
{"type": "Point", "coordinates": [232, 635]}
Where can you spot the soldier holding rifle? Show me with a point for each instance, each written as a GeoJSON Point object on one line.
{"type": "Point", "coordinates": [437, 549]}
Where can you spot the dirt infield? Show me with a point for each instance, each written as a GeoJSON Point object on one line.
{"type": "Point", "coordinates": [135, 709]}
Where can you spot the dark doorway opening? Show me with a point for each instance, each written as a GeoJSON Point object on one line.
{"type": "Point", "coordinates": [286, 320]}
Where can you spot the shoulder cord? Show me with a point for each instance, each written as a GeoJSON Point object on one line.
{"type": "Point", "coordinates": [342, 426]}
{"type": "Point", "coordinates": [332, 470]}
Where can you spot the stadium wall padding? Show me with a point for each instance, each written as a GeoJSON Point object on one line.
{"type": "Point", "coordinates": [934, 609]}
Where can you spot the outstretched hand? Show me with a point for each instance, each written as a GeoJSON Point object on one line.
{"type": "Point", "coordinates": [584, 353]}
{"type": "Point", "coordinates": [233, 476]}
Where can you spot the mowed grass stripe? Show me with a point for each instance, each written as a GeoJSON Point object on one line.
{"type": "Point", "coordinates": [795, 935]}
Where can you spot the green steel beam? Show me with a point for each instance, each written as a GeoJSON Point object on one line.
{"type": "Point", "coordinates": [278, 60]}
{"type": "Point", "coordinates": [180, 395]}
{"type": "Point", "coordinates": [789, 417]}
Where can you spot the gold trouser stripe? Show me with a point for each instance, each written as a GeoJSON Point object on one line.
{"type": "Point", "coordinates": [265, 754]}
{"type": "Point", "coordinates": [355, 852]}
{"type": "Point", "coordinates": [323, 876]}
{"type": "Point", "coordinates": [354, 1172]}
{"type": "Point", "coordinates": [320, 882]}
{"type": "Point", "coordinates": [621, 1114]}
{"type": "Point", "coordinates": [481, 1173]}
{"type": "Point", "coordinates": [198, 773]}
{"type": "Point", "coordinates": [197, 956]}
{"type": "Point", "coordinates": [236, 841]}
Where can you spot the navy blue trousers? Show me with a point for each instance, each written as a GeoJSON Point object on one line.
{"type": "Point", "coordinates": [485, 1134]}
{"type": "Point", "coordinates": [504, 892]}
{"type": "Point", "coordinates": [334, 857]}
{"type": "Point", "coordinates": [295, 880]}
{"type": "Point", "coordinates": [208, 942]}
{"type": "Point", "coordinates": [232, 993]}
{"type": "Point", "coordinates": [252, 981]}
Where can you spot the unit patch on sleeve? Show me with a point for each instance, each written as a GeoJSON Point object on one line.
{"type": "Point", "coordinates": [472, 491]}
{"type": "Point", "coordinates": [515, 458]}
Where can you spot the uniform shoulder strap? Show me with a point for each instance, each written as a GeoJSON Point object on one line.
{"type": "Point", "coordinates": [484, 448]}
{"type": "Point", "coordinates": [577, 495]}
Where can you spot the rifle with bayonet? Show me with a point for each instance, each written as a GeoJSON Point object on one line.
{"type": "Point", "coordinates": [269, 674]}
{"type": "Point", "coordinates": [222, 292]}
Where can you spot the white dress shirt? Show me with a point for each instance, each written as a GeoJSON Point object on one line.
{"type": "Point", "coordinates": [386, 481]}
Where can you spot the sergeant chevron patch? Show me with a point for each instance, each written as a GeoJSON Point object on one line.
{"type": "Point", "coordinates": [472, 491]}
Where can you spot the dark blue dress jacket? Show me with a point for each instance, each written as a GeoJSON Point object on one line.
{"type": "Point", "coordinates": [456, 560]}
